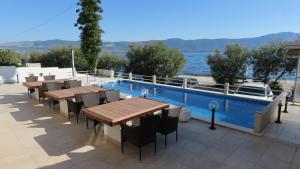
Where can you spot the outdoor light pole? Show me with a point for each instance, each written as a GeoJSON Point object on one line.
{"type": "Point", "coordinates": [144, 93]}
{"type": "Point", "coordinates": [279, 113]}
{"type": "Point", "coordinates": [213, 107]}
{"type": "Point", "coordinates": [287, 96]}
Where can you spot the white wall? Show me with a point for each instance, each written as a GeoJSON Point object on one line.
{"type": "Point", "coordinates": [8, 74]}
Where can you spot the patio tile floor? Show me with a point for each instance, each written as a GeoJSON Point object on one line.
{"type": "Point", "coordinates": [34, 136]}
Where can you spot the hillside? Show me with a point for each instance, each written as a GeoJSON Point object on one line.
{"type": "Point", "coordinates": [184, 45]}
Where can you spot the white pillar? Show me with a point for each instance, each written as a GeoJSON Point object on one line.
{"type": "Point", "coordinates": [73, 64]}
{"type": "Point", "coordinates": [185, 83]}
{"type": "Point", "coordinates": [130, 76]}
{"type": "Point", "coordinates": [297, 83]}
{"type": "Point", "coordinates": [154, 79]}
{"type": "Point", "coordinates": [112, 73]}
{"type": "Point", "coordinates": [226, 88]}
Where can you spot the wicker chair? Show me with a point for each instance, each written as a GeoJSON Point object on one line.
{"type": "Point", "coordinates": [50, 87]}
{"type": "Point", "coordinates": [71, 84]}
{"type": "Point", "coordinates": [141, 135]}
{"type": "Point", "coordinates": [112, 95]}
{"type": "Point", "coordinates": [75, 105]}
{"type": "Point", "coordinates": [169, 122]}
{"type": "Point", "coordinates": [41, 91]}
{"type": "Point", "coordinates": [90, 100]}
{"type": "Point", "coordinates": [50, 77]}
{"type": "Point", "coordinates": [31, 79]}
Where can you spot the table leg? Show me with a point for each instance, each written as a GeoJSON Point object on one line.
{"type": "Point", "coordinates": [63, 107]}
{"type": "Point", "coordinates": [36, 94]}
{"type": "Point", "coordinates": [113, 133]}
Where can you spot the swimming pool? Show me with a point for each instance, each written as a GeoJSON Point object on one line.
{"type": "Point", "coordinates": [233, 110]}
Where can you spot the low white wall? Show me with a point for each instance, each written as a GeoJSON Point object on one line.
{"type": "Point", "coordinates": [265, 117]}
{"type": "Point", "coordinates": [10, 74]}
{"type": "Point", "coordinates": [103, 72]}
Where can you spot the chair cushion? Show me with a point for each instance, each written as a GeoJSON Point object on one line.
{"type": "Point", "coordinates": [134, 122]}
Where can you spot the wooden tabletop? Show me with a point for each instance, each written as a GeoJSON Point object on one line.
{"type": "Point", "coordinates": [120, 111]}
{"type": "Point", "coordinates": [70, 93]}
{"type": "Point", "coordinates": [37, 84]}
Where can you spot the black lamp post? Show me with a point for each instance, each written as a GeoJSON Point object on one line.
{"type": "Point", "coordinates": [279, 113]}
{"type": "Point", "coordinates": [287, 96]}
{"type": "Point", "coordinates": [213, 107]}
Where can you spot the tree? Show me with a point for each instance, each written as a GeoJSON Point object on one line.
{"type": "Point", "coordinates": [270, 61]}
{"type": "Point", "coordinates": [88, 22]}
{"type": "Point", "coordinates": [231, 66]}
{"type": "Point", "coordinates": [60, 57]}
{"type": "Point", "coordinates": [155, 59]}
{"type": "Point", "coordinates": [9, 58]}
{"type": "Point", "coordinates": [111, 61]}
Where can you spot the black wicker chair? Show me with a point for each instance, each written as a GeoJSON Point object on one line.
{"type": "Point", "coordinates": [41, 91]}
{"type": "Point", "coordinates": [50, 77]}
{"type": "Point", "coordinates": [31, 79]}
{"type": "Point", "coordinates": [112, 95]}
{"type": "Point", "coordinates": [141, 135]}
{"type": "Point", "coordinates": [71, 84]}
{"type": "Point", "coordinates": [169, 122]}
{"type": "Point", "coordinates": [75, 105]}
{"type": "Point", "coordinates": [90, 100]}
{"type": "Point", "coordinates": [50, 87]}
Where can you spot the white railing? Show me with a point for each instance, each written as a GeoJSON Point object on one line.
{"type": "Point", "coordinates": [184, 82]}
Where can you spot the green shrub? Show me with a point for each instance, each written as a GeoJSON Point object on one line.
{"type": "Point", "coordinates": [60, 57]}
{"type": "Point", "coordinates": [111, 61]}
{"type": "Point", "coordinates": [231, 66]}
{"type": "Point", "coordinates": [9, 58]}
{"type": "Point", "coordinates": [155, 59]}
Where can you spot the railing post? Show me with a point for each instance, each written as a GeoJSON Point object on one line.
{"type": "Point", "coordinates": [154, 79]}
{"type": "Point", "coordinates": [226, 88]}
{"type": "Point", "coordinates": [130, 76]}
{"type": "Point", "coordinates": [112, 73]}
{"type": "Point", "coordinates": [184, 83]}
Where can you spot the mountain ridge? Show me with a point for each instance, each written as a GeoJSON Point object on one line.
{"type": "Point", "coordinates": [182, 44]}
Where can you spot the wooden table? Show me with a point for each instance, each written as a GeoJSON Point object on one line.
{"type": "Point", "coordinates": [33, 85]}
{"type": "Point", "coordinates": [112, 114]}
{"type": "Point", "coordinates": [70, 93]}
{"type": "Point", "coordinates": [62, 95]}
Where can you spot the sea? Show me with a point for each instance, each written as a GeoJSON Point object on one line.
{"type": "Point", "coordinates": [197, 65]}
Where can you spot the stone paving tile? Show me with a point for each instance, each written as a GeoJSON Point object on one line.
{"type": "Point", "coordinates": [35, 136]}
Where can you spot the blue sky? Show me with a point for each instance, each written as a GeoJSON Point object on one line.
{"type": "Point", "coordinates": [150, 19]}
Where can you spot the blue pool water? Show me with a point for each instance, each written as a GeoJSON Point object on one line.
{"type": "Point", "coordinates": [233, 110]}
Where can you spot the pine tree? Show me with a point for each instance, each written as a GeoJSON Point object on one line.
{"type": "Point", "coordinates": [88, 23]}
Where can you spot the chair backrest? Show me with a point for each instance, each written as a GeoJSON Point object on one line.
{"type": "Point", "coordinates": [102, 97]}
{"type": "Point", "coordinates": [171, 112]}
{"type": "Point", "coordinates": [50, 77]}
{"type": "Point", "coordinates": [74, 106]}
{"type": "Point", "coordinates": [78, 97]}
{"type": "Point", "coordinates": [72, 83]}
{"type": "Point", "coordinates": [67, 84]}
{"type": "Point", "coordinates": [31, 79]}
{"type": "Point", "coordinates": [149, 126]}
{"type": "Point", "coordinates": [53, 86]}
{"type": "Point", "coordinates": [90, 99]}
{"type": "Point", "coordinates": [112, 95]}
{"type": "Point", "coordinates": [44, 87]}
